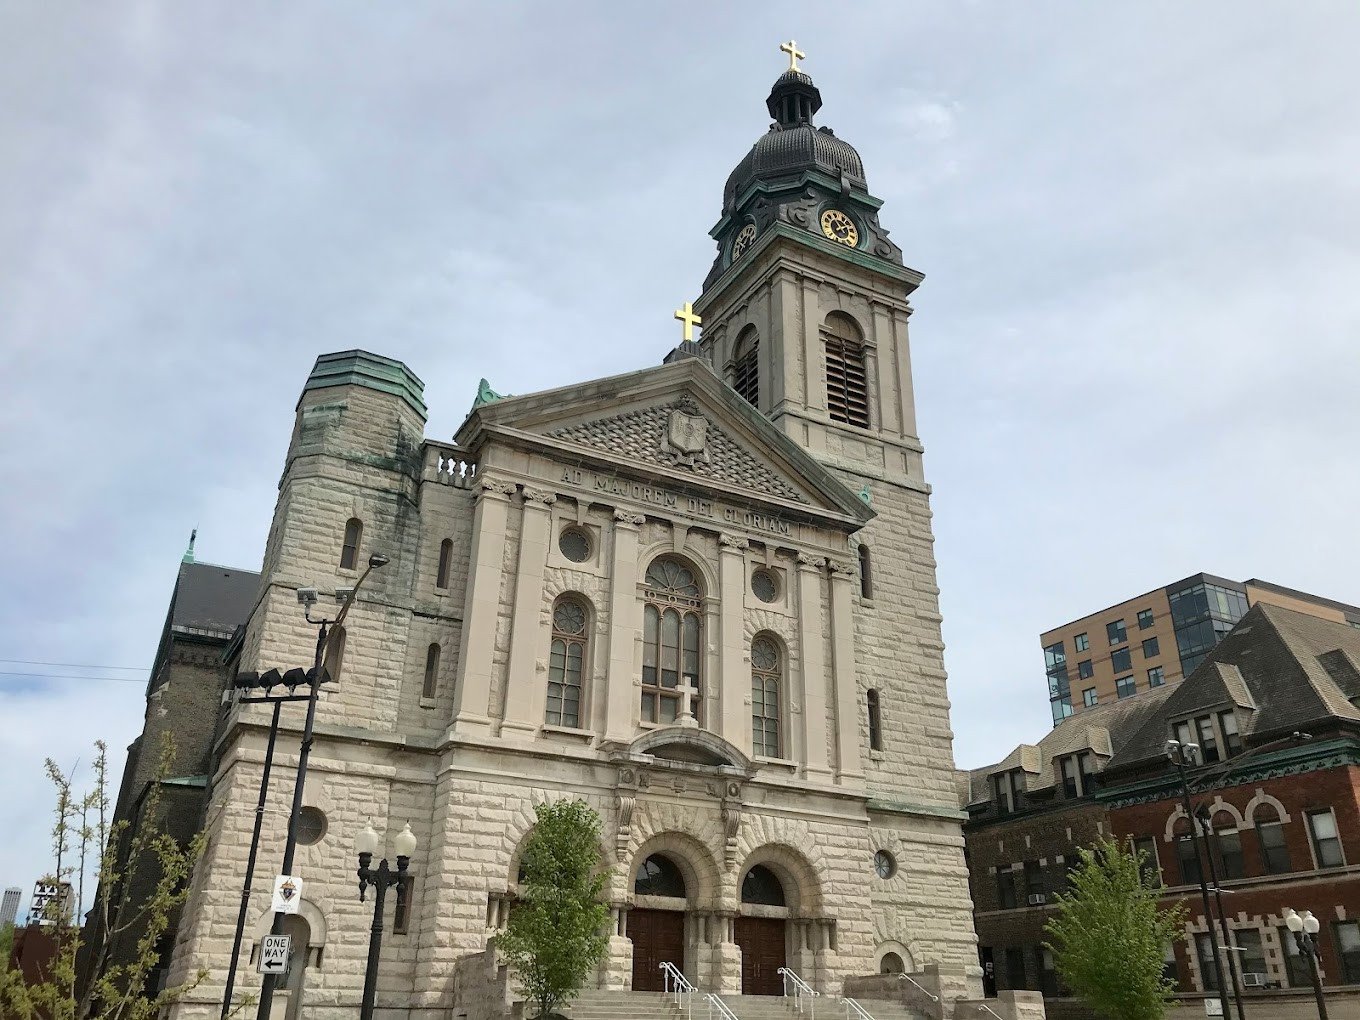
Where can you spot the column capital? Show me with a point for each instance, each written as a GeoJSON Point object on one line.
{"type": "Point", "coordinates": [839, 569]}
{"type": "Point", "coordinates": [629, 517]}
{"type": "Point", "coordinates": [808, 561]}
{"type": "Point", "coordinates": [733, 542]}
{"type": "Point", "coordinates": [540, 496]}
{"type": "Point", "coordinates": [495, 487]}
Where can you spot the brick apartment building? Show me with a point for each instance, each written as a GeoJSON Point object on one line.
{"type": "Point", "coordinates": [1285, 821]}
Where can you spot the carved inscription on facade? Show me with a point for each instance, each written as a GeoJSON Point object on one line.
{"type": "Point", "coordinates": [692, 506]}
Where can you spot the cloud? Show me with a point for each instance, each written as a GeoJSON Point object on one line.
{"type": "Point", "coordinates": [1132, 351]}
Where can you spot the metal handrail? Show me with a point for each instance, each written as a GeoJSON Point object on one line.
{"type": "Point", "coordinates": [860, 1011]}
{"type": "Point", "coordinates": [933, 996]}
{"type": "Point", "coordinates": [678, 985]}
{"type": "Point", "coordinates": [979, 1005]}
{"type": "Point", "coordinates": [800, 989]}
{"type": "Point", "coordinates": [723, 1011]}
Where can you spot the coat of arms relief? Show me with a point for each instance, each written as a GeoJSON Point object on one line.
{"type": "Point", "coordinates": [686, 437]}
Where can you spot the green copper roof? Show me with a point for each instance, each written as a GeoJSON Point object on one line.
{"type": "Point", "coordinates": [360, 368]}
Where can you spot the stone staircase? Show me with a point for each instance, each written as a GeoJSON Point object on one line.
{"type": "Point", "coordinates": [602, 1005]}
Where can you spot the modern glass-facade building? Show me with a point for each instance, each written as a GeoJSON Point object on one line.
{"type": "Point", "coordinates": [1158, 637]}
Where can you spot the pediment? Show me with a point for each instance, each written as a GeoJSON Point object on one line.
{"type": "Point", "coordinates": [679, 423]}
{"type": "Point", "coordinates": [692, 746]}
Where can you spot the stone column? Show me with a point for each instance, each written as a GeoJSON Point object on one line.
{"type": "Point", "coordinates": [843, 673]}
{"type": "Point", "coordinates": [618, 962]}
{"type": "Point", "coordinates": [734, 679]}
{"type": "Point", "coordinates": [812, 660]}
{"type": "Point", "coordinates": [621, 691]}
{"type": "Point", "coordinates": [481, 610]}
{"type": "Point", "coordinates": [726, 975]}
{"type": "Point", "coordinates": [525, 695]}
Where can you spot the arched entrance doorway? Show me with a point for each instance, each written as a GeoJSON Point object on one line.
{"type": "Point", "coordinates": [656, 924]}
{"type": "Point", "coordinates": [762, 932]}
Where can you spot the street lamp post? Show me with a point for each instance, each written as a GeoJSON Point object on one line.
{"type": "Point", "coordinates": [325, 628]}
{"type": "Point", "coordinates": [1305, 928]}
{"type": "Point", "coordinates": [381, 879]}
{"type": "Point", "coordinates": [1180, 756]}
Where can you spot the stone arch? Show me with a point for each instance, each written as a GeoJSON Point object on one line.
{"type": "Point", "coordinates": [890, 934]}
{"type": "Point", "coordinates": [882, 949]}
{"type": "Point", "coordinates": [1259, 799]}
{"type": "Point", "coordinates": [689, 556]}
{"type": "Point", "coordinates": [1169, 835]}
{"type": "Point", "coordinates": [1221, 805]}
{"type": "Point", "coordinates": [316, 929]}
{"type": "Point", "coordinates": [703, 746]}
{"type": "Point", "coordinates": [522, 820]}
{"type": "Point", "coordinates": [697, 866]}
{"type": "Point", "coordinates": [802, 888]}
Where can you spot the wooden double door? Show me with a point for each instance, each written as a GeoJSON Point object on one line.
{"type": "Point", "coordinates": [658, 937]}
{"type": "Point", "coordinates": [761, 941]}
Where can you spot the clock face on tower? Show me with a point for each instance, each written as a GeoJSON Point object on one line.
{"type": "Point", "coordinates": [840, 228]}
{"type": "Point", "coordinates": [745, 238]}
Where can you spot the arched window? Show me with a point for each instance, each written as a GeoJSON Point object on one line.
{"type": "Point", "coordinates": [761, 885]}
{"type": "Point", "coordinates": [445, 563]}
{"type": "Point", "coordinates": [847, 388]}
{"type": "Point", "coordinates": [746, 366]}
{"type": "Point", "coordinates": [1187, 853]}
{"type": "Point", "coordinates": [349, 552]}
{"type": "Point", "coordinates": [431, 672]}
{"type": "Point", "coordinates": [671, 626]}
{"type": "Point", "coordinates": [866, 573]}
{"type": "Point", "coordinates": [565, 659]}
{"type": "Point", "coordinates": [875, 720]}
{"type": "Point", "coordinates": [765, 679]}
{"type": "Point", "coordinates": [335, 653]}
{"type": "Point", "coordinates": [659, 876]}
{"type": "Point", "coordinates": [891, 964]}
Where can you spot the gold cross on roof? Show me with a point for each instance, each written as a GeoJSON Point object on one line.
{"type": "Point", "coordinates": [685, 313]}
{"type": "Point", "coordinates": [795, 54]}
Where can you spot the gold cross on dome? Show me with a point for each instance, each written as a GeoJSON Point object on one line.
{"type": "Point", "coordinates": [685, 313]}
{"type": "Point", "coordinates": [795, 54]}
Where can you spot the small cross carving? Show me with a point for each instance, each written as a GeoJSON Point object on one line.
{"type": "Point", "coordinates": [795, 54]}
{"type": "Point", "coordinates": [685, 313]}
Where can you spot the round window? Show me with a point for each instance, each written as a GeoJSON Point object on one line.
{"type": "Point", "coordinates": [575, 544]}
{"type": "Point", "coordinates": [764, 586]}
{"type": "Point", "coordinates": [884, 864]}
{"type": "Point", "coordinates": [311, 826]}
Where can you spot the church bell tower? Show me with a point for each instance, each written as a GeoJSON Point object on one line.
{"type": "Point", "coordinates": [805, 315]}
{"type": "Point", "coordinates": [805, 309]}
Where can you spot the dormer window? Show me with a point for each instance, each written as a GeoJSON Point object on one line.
{"type": "Point", "coordinates": [1008, 791]}
{"type": "Point", "coordinates": [1078, 774]}
{"type": "Point", "coordinates": [1216, 734]}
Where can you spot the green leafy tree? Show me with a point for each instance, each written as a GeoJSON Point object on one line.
{"type": "Point", "coordinates": [120, 854]}
{"type": "Point", "coordinates": [1109, 936]}
{"type": "Point", "coordinates": [556, 934]}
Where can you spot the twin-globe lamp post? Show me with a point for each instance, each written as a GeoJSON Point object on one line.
{"type": "Point", "coordinates": [1305, 928]}
{"type": "Point", "coordinates": [381, 878]}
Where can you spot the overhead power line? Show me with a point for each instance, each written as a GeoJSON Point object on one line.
{"type": "Point", "coordinates": [71, 665]}
{"type": "Point", "coordinates": [72, 676]}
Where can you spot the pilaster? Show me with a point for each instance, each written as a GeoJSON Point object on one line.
{"type": "Point", "coordinates": [624, 626]}
{"type": "Point", "coordinates": [848, 765]}
{"type": "Point", "coordinates": [735, 680]}
{"type": "Point", "coordinates": [477, 645]}
{"type": "Point", "coordinates": [525, 695]}
{"type": "Point", "coordinates": [812, 660]}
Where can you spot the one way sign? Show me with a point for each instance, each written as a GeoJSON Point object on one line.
{"type": "Point", "coordinates": [274, 954]}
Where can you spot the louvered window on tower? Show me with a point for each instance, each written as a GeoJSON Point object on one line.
{"type": "Point", "coordinates": [746, 367]}
{"type": "Point", "coordinates": [847, 388]}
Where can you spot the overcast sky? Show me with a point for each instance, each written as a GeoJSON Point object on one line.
{"type": "Point", "coordinates": [1135, 349]}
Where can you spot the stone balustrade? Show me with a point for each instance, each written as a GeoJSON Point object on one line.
{"type": "Point", "coordinates": [447, 464]}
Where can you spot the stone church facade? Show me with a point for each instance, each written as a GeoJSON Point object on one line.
{"type": "Point", "coordinates": [699, 596]}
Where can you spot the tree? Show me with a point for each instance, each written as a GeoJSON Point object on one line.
{"type": "Point", "coordinates": [1109, 937]}
{"type": "Point", "coordinates": [555, 936]}
{"type": "Point", "coordinates": [142, 878]}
